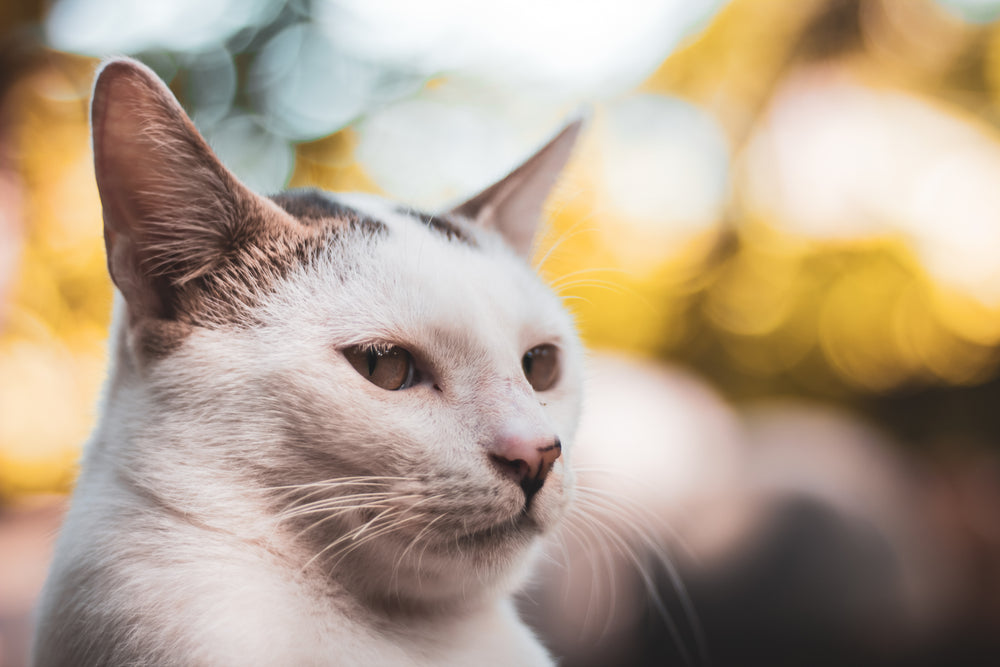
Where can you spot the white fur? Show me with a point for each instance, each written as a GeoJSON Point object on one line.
{"type": "Point", "coordinates": [184, 560]}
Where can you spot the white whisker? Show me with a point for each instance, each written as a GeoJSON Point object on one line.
{"type": "Point", "coordinates": [610, 520]}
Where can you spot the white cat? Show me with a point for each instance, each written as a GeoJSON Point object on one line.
{"type": "Point", "coordinates": [333, 429]}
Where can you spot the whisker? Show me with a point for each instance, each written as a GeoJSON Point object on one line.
{"type": "Point", "coordinates": [351, 535]}
{"type": "Point", "coordinates": [330, 503]}
{"type": "Point", "coordinates": [596, 589]}
{"type": "Point", "coordinates": [399, 560]}
{"type": "Point", "coordinates": [371, 536]}
{"type": "Point", "coordinates": [420, 558]}
{"type": "Point", "coordinates": [611, 286]}
{"type": "Point", "coordinates": [329, 515]}
{"type": "Point", "coordinates": [625, 549]}
{"type": "Point", "coordinates": [315, 488]}
{"type": "Point", "coordinates": [586, 271]}
{"type": "Point", "coordinates": [338, 513]}
{"type": "Point", "coordinates": [603, 515]}
{"type": "Point", "coordinates": [565, 236]}
{"type": "Point", "coordinates": [629, 507]}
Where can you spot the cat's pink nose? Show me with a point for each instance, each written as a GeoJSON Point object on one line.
{"type": "Point", "coordinates": [526, 460]}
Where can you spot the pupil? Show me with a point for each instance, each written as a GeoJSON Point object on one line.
{"type": "Point", "coordinates": [527, 362]}
{"type": "Point", "coordinates": [372, 360]}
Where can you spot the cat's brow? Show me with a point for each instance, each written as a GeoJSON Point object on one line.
{"type": "Point", "coordinates": [311, 206]}
{"type": "Point", "coordinates": [446, 225]}
{"type": "Point", "coordinates": [228, 293]}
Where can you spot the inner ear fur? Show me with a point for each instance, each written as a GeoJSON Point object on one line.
{"type": "Point", "coordinates": [172, 211]}
{"type": "Point", "coordinates": [513, 205]}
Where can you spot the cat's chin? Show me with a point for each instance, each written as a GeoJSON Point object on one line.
{"type": "Point", "coordinates": [514, 532]}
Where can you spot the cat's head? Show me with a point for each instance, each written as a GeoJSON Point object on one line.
{"type": "Point", "coordinates": [398, 391]}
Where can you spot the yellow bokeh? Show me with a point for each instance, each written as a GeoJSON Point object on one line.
{"type": "Point", "coordinates": [52, 343]}
{"type": "Point", "coordinates": [748, 299]}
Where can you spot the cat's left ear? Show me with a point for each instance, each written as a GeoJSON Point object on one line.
{"type": "Point", "coordinates": [513, 205]}
{"type": "Point", "coordinates": [172, 211]}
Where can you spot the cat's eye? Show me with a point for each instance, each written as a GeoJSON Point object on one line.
{"type": "Point", "coordinates": [388, 367]}
{"type": "Point", "coordinates": [541, 366]}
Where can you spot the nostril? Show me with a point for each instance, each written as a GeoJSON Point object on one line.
{"type": "Point", "coordinates": [517, 470]}
{"type": "Point", "coordinates": [547, 457]}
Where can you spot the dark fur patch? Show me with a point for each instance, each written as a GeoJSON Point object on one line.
{"type": "Point", "coordinates": [448, 226]}
{"type": "Point", "coordinates": [248, 266]}
{"type": "Point", "coordinates": [156, 339]}
{"type": "Point", "coordinates": [249, 269]}
{"type": "Point", "coordinates": [311, 206]}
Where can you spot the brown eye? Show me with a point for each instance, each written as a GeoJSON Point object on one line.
{"type": "Point", "coordinates": [386, 367]}
{"type": "Point", "coordinates": [541, 366]}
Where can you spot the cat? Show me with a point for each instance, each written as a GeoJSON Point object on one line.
{"type": "Point", "coordinates": [334, 429]}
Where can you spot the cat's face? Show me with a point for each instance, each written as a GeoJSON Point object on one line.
{"type": "Point", "coordinates": [398, 391]}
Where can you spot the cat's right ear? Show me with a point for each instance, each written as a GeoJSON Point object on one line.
{"type": "Point", "coordinates": [513, 205]}
{"type": "Point", "coordinates": [171, 209]}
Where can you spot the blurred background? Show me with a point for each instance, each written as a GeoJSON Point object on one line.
{"type": "Point", "coordinates": [780, 237]}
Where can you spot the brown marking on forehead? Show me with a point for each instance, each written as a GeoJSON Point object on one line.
{"type": "Point", "coordinates": [249, 267]}
{"type": "Point", "coordinates": [449, 226]}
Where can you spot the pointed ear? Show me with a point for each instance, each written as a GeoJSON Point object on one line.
{"type": "Point", "coordinates": [171, 210]}
{"type": "Point", "coordinates": [513, 205]}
